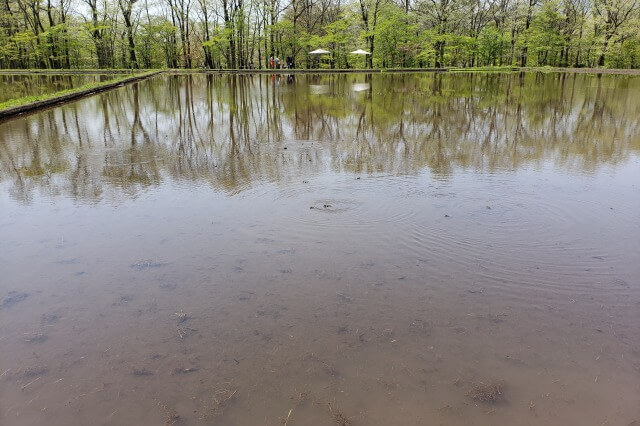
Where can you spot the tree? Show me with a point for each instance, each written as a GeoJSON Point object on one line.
{"type": "Point", "coordinates": [440, 13]}
{"type": "Point", "coordinates": [126, 7]}
{"type": "Point", "coordinates": [611, 16]}
{"type": "Point", "coordinates": [245, 33]}
{"type": "Point", "coordinates": [369, 10]}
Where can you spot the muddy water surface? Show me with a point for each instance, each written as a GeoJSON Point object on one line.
{"type": "Point", "coordinates": [339, 250]}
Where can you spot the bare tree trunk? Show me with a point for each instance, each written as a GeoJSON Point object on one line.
{"type": "Point", "coordinates": [229, 25]}
{"type": "Point", "coordinates": [527, 24]}
{"type": "Point", "coordinates": [126, 7]}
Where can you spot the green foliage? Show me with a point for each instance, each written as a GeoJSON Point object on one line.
{"type": "Point", "coordinates": [491, 46]}
{"type": "Point", "coordinates": [544, 38]}
{"type": "Point", "coordinates": [395, 38]}
{"type": "Point", "coordinates": [423, 33]}
{"type": "Point", "coordinates": [339, 37]}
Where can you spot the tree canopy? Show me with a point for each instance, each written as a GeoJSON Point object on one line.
{"type": "Point", "coordinates": [244, 34]}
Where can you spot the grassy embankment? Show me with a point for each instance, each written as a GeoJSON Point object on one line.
{"type": "Point", "coordinates": [497, 69]}
{"type": "Point", "coordinates": [68, 93]}
{"type": "Point", "coordinates": [506, 68]}
{"type": "Point", "coordinates": [548, 69]}
{"type": "Point", "coordinates": [73, 71]}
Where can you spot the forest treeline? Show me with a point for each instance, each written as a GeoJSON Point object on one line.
{"type": "Point", "coordinates": [247, 33]}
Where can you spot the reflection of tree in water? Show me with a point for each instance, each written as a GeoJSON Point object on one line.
{"type": "Point", "coordinates": [232, 130]}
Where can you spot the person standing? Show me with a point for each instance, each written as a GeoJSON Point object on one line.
{"type": "Point", "coordinates": [277, 63]}
{"type": "Point", "coordinates": [271, 62]}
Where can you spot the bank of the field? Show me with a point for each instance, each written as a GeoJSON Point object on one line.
{"type": "Point", "coordinates": [302, 71]}
{"type": "Point", "coordinates": [73, 71]}
{"type": "Point", "coordinates": [26, 104]}
{"type": "Point", "coordinates": [485, 69]}
{"type": "Point", "coordinates": [506, 69]}
{"type": "Point", "coordinates": [617, 71]}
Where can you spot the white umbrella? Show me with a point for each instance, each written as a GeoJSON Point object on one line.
{"type": "Point", "coordinates": [360, 52]}
{"type": "Point", "coordinates": [319, 52]}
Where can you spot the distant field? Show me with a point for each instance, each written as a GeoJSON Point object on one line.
{"type": "Point", "coordinates": [58, 94]}
{"type": "Point", "coordinates": [14, 86]}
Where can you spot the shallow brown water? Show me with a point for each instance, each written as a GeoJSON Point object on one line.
{"type": "Point", "coordinates": [13, 86]}
{"type": "Point", "coordinates": [378, 250]}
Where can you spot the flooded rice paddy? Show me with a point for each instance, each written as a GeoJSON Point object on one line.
{"type": "Point", "coordinates": [406, 249]}
{"type": "Point", "coordinates": [13, 86]}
